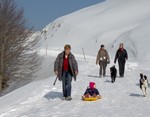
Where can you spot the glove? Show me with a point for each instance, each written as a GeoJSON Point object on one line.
{"type": "Point", "coordinates": [56, 73]}
{"type": "Point", "coordinates": [76, 73]}
{"type": "Point", "coordinates": [108, 62]}
{"type": "Point", "coordinates": [96, 63]}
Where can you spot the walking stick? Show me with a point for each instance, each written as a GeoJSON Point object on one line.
{"type": "Point", "coordinates": [55, 81]}
{"type": "Point", "coordinates": [84, 54]}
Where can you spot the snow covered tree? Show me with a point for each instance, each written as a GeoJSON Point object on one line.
{"type": "Point", "coordinates": [17, 56]}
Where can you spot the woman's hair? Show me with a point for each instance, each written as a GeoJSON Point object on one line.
{"type": "Point", "coordinates": [67, 47]}
{"type": "Point", "coordinates": [121, 44]}
{"type": "Point", "coordinates": [102, 46]}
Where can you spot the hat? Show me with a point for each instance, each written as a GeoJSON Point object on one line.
{"type": "Point", "coordinates": [92, 85]}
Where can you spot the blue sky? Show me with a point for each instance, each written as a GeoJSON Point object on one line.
{"type": "Point", "coordinates": [39, 13]}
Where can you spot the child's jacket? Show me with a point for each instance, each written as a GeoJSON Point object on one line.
{"type": "Point", "coordinates": [91, 91]}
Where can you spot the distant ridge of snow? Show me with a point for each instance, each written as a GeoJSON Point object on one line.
{"type": "Point", "coordinates": [109, 23]}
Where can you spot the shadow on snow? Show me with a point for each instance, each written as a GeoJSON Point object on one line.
{"type": "Point", "coordinates": [108, 81]}
{"type": "Point", "coordinates": [136, 95]}
{"type": "Point", "coordinates": [52, 95]}
{"type": "Point", "coordinates": [93, 76]}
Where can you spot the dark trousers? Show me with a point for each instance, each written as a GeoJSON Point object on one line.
{"type": "Point", "coordinates": [103, 65]}
{"type": "Point", "coordinates": [121, 67]}
{"type": "Point", "coordinates": [66, 83]}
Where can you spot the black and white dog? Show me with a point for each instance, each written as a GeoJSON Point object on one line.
{"type": "Point", "coordinates": [113, 73]}
{"type": "Point", "coordinates": [144, 84]}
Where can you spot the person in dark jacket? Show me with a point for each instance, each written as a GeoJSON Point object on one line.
{"type": "Point", "coordinates": [91, 91]}
{"type": "Point", "coordinates": [66, 67]}
{"type": "Point", "coordinates": [122, 56]}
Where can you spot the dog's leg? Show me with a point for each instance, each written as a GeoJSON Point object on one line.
{"type": "Point", "coordinates": [145, 86]}
{"type": "Point", "coordinates": [111, 79]}
{"type": "Point", "coordinates": [144, 91]}
{"type": "Point", "coordinates": [114, 78]}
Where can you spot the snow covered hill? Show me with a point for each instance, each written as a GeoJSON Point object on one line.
{"type": "Point", "coordinates": [109, 23]}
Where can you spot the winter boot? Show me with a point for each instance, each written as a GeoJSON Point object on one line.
{"type": "Point", "coordinates": [68, 98]}
{"type": "Point", "coordinates": [64, 98]}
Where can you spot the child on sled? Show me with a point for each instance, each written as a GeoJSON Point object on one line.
{"type": "Point", "coordinates": [91, 91]}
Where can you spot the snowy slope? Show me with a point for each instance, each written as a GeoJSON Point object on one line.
{"type": "Point", "coordinates": [42, 99]}
{"type": "Point", "coordinates": [109, 23]}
